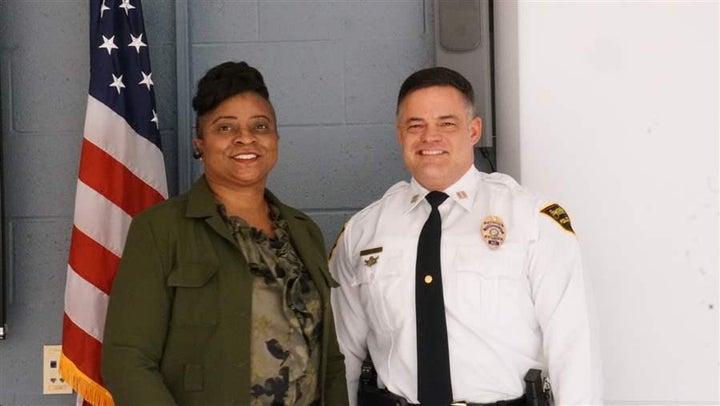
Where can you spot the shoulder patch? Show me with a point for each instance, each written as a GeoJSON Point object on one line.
{"type": "Point", "coordinates": [557, 213]}
{"type": "Point", "coordinates": [332, 250]}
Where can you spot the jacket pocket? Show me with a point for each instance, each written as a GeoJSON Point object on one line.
{"type": "Point", "coordinates": [196, 295]}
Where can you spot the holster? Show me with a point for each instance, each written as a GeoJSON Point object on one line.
{"type": "Point", "coordinates": [537, 389]}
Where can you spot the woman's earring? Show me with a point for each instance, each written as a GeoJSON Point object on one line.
{"type": "Point", "coordinates": [197, 154]}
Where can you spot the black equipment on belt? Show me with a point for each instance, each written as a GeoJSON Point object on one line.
{"type": "Point", "coordinates": [537, 391]}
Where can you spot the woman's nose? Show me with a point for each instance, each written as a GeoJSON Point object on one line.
{"type": "Point", "coordinates": [244, 137]}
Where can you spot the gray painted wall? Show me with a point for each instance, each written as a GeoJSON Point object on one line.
{"type": "Point", "coordinates": [333, 69]}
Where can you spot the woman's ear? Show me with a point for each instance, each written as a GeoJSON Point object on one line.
{"type": "Point", "coordinates": [197, 150]}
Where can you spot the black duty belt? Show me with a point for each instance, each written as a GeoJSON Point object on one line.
{"type": "Point", "coordinates": [381, 397]}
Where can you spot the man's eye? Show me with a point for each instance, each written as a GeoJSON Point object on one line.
{"type": "Point", "coordinates": [415, 127]}
{"type": "Point", "coordinates": [447, 124]}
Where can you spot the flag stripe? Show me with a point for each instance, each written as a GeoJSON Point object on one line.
{"type": "Point", "coordinates": [100, 219]}
{"type": "Point", "coordinates": [86, 354]}
{"type": "Point", "coordinates": [111, 133]}
{"type": "Point", "coordinates": [88, 257]}
{"type": "Point", "coordinates": [87, 305]}
{"type": "Point", "coordinates": [126, 190]}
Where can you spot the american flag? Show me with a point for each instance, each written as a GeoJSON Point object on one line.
{"type": "Point", "coordinates": [122, 172]}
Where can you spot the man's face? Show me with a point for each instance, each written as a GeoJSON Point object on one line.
{"type": "Point", "coordinates": [437, 134]}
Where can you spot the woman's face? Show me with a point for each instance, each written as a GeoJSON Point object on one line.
{"type": "Point", "coordinates": [239, 141]}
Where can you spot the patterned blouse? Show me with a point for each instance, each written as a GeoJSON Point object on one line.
{"type": "Point", "coordinates": [286, 316]}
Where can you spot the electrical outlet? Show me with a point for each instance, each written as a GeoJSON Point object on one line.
{"type": "Point", "coordinates": [53, 383]}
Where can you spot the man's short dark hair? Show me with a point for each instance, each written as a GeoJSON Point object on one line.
{"type": "Point", "coordinates": [225, 81]}
{"type": "Point", "coordinates": [436, 76]}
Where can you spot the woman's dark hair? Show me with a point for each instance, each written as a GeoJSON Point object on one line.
{"type": "Point", "coordinates": [436, 76]}
{"type": "Point", "coordinates": [225, 81]}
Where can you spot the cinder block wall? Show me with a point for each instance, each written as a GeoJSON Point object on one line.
{"type": "Point", "coordinates": [333, 69]}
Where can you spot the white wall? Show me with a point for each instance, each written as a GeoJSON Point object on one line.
{"type": "Point", "coordinates": [612, 109]}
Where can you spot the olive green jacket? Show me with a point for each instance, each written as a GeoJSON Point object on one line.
{"type": "Point", "coordinates": [178, 321]}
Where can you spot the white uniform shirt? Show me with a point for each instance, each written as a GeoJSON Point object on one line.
{"type": "Point", "coordinates": [518, 307]}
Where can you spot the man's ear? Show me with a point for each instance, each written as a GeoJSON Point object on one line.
{"type": "Point", "coordinates": [476, 130]}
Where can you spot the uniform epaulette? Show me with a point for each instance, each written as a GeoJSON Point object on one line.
{"type": "Point", "coordinates": [397, 187]}
{"type": "Point", "coordinates": [497, 177]}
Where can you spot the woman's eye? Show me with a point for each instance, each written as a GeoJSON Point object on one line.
{"type": "Point", "coordinates": [262, 126]}
{"type": "Point", "coordinates": [225, 128]}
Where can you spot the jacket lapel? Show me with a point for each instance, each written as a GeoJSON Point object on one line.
{"type": "Point", "coordinates": [201, 204]}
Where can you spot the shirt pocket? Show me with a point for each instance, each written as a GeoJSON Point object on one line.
{"type": "Point", "coordinates": [195, 301]}
{"type": "Point", "coordinates": [379, 277]}
{"type": "Point", "coordinates": [488, 283]}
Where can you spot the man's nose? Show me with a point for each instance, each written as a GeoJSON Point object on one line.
{"type": "Point", "coordinates": [431, 134]}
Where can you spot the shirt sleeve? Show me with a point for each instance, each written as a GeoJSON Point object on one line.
{"type": "Point", "coordinates": [563, 309]}
{"type": "Point", "coordinates": [350, 321]}
{"type": "Point", "coordinates": [136, 324]}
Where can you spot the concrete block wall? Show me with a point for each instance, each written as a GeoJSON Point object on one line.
{"type": "Point", "coordinates": [333, 69]}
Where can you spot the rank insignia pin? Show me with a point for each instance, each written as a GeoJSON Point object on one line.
{"type": "Point", "coordinates": [372, 260]}
{"type": "Point", "coordinates": [493, 231]}
{"type": "Point", "coordinates": [414, 198]}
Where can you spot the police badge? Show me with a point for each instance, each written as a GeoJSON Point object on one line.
{"type": "Point", "coordinates": [493, 232]}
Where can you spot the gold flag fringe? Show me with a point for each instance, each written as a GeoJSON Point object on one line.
{"type": "Point", "coordinates": [91, 391]}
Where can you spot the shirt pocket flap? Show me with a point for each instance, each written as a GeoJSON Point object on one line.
{"type": "Point", "coordinates": [503, 262]}
{"type": "Point", "coordinates": [369, 268]}
{"type": "Point", "coordinates": [191, 275]}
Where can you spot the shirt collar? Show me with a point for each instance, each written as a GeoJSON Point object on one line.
{"type": "Point", "coordinates": [462, 192]}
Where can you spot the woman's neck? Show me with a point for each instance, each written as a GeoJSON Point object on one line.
{"type": "Point", "coordinates": [247, 203]}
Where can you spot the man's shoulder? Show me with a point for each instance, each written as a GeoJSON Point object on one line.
{"type": "Point", "coordinates": [389, 198]}
{"type": "Point", "coordinates": [528, 200]}
{"type": "Point", "coordinates": [503, 183]}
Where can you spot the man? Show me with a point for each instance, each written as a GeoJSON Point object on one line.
{"type": "Point", "coordinates": [502, 266]}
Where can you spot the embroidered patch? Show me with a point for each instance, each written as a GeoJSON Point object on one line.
{"type": "Point", "coordinates": [332, 250]}
{"type": "Point", "coordinates": [372, 260]}
{"type": "Point", "coordinates": [557, 213]}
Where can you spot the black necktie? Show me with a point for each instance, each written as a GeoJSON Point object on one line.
{"type": "Point", "coordinates": [434, 388]}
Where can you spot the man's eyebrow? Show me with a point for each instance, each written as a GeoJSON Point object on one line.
{"type": "Point", "coordinates": [448, 117]}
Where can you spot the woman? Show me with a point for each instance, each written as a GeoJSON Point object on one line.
{"type": "Point", "coordinates": [222, 296]}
